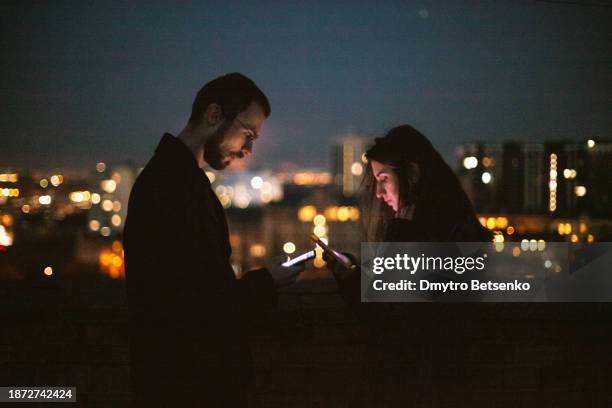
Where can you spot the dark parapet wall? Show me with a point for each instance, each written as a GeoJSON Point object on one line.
{"type": "Point", "coordinates": [314, 352]}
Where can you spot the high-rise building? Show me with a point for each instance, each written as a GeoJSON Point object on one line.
{"type": "Point", "coordinates": [597, 188]}
{"type": "Point", "coordinates": [533, 182]}
{"type": "Point", "coordinates": [563, 179]}
{"type": "Point", "coordinates": [348, 162]}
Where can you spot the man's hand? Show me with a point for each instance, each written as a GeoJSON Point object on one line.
{"type": "Point", "coordinates": [283, 275]}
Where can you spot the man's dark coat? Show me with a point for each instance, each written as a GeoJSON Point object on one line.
{"type": "Point", "coordinates": [187, 310]}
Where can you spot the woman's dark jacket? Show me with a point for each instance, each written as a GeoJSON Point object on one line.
{"type": "Point", "coordinates": [400, 365]}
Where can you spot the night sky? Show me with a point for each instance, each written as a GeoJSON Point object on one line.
{"type": "Point", "coordinates": [103, 80]}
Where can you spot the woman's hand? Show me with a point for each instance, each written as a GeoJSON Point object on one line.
{"type": "Point", "coordinates": [339, 271]}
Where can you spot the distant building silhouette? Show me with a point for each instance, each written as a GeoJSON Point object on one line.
{"type": "Point", "coordinates": [562, 179]}
{"type": "Point", "coordinates": [348, 162]}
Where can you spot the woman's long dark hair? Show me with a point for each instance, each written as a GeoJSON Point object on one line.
{"type": "Point", "coordinates": [441, 205]}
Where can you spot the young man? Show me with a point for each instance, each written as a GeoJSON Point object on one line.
{"type": "Point", "coordinates": [187, 310]}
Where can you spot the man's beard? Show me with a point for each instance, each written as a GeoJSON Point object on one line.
{"type": "Point", "coordinates": [213, 153]}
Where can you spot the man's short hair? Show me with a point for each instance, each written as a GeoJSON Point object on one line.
{"type": "Point", "coordinates": [232, 92]}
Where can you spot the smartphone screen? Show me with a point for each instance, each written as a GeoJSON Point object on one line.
{"type": "Point", "coordinates": [340, 257]}
{"type": "Point", "coordinates": [302, 258]}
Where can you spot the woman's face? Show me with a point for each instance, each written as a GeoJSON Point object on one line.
{"type": "Point", "coordinates": [387, 187]}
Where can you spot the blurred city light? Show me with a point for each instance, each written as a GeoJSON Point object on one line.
{"type": "Point", "coordinates": [107, 205]}
{"type": "Point", "coordinates": [319, 231]}
{"type": "Point", "coordinates": [501, 222]}
{"type": "Point", "coordinates": [491, 224]}
{"type": "Point", "coordinates": [8, 178]}
{"type": "Point", "coordinates": [76, 196]}
{"type": "Point", "coordinates": [57, 179]}
{"type": "Point", "coordinates": [79, 196]}
{"type": "Point", "coordinates": [343, 214]}
{"type": "Point", "coordinates": [266, 197]}
{"type": "Point", "coordinates": [319, 219]}
{"type": "Point", "coordinates": [225, 200]}
{"type": "Point", "coordinates": [569, 173]}
{"type": "Point", "coordinates": [331, 213]}
{"type": "Point", "coordinates": [243, 201]}
{"type": "Point", "coordinates": [552, 184]}
{"type": "Point", "coordinates": [564, 228]}
{"type": "Point", "coordinates": [256, 182]}
{"type": "Point", "coordinates": [7, 220]}
{"type": "Point", "coordinates": [486, 177]}
{"type": "Point", "coordinates": [9, 192]}
{"type": "Point", "coordinates": [533, 245]}
{"type": "Point", "coordinates": [312, 178]}
{"type": "Point", "coordinates": [116, 220]}
{"type": "Point", "coordinates": [44, 199]}
{"type": "Point", "coordinates": [6, 238]}
{"type": "Point", "coordinates": [289, 247]}
{"type": "Point", "coordinates": [307, 213]}
{"type": "Point", "coordinates": [111, 261]}
{"type": "Point", "coordinates": [525, 245]}
{"type": "Point", "coordinates": [470, 162]}
{"type": "Point", "coordinates": [109, 185]}
{"type": "Point", "coordinates": [257, 251]}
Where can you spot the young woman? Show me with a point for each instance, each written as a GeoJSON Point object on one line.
{"type": "Point", "coordinates": [411, 195]}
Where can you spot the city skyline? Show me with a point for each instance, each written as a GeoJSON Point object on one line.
{"type": "Point", "coordinates": [102, 83]}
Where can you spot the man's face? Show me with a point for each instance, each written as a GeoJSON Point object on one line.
{"type": "Point", "coordinates": [234, 139]}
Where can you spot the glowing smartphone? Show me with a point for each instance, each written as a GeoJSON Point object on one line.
{"type": "Point", "coordinates": [338, 256]}
{"type": "Point", "coordinates": [298, 259]}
